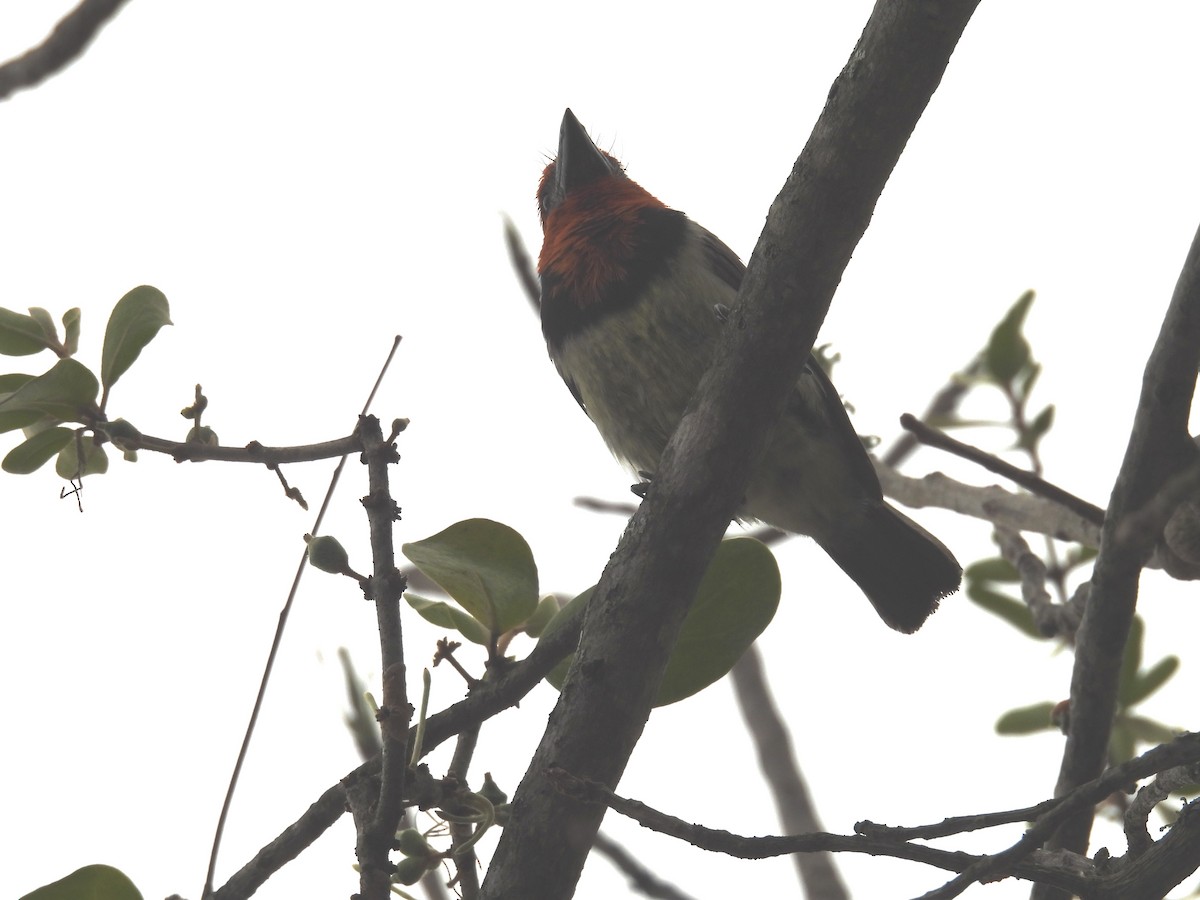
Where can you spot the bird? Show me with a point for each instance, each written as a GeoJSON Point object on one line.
{"type": "Point", "coordinates": [633, 298]}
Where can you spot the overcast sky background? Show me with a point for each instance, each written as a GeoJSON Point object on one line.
{"type": "Point", "coordinates": [304, 182]}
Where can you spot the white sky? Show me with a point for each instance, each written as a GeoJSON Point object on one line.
{"type": "Point", "coordinates": [305, 181]}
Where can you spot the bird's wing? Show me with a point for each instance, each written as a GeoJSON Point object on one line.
{"type": "Point", "coordinates": [815, 399]}
{"type": "Point", "coordinates": [723, 261]}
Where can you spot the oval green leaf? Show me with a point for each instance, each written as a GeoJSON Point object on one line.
{"type": "Point", "coordinates": [1149, 731]}
{"type": "Point", "coordinates": [68, 465]}
{"type": "Point", "coordinates": [134, 322]}
{"type": "Point", "coordinates": [46, 323]}
{"type": "Point", "coordinates": [547, 609]}
{"type": "Point", "coordinates": [446, 616]}
{"type": "Point", "coordinates": [485, 567]}
{"type": "Point", "coordinates": [71, 320]}
{"type": "Point", "coordinates": [11, 382]}
{"type": "Point", "coordinates": [89, 883]}
{"type": "Point", "coordinates": [736, 601]}
{"type": "Point", "coordinates": [20, 335]}
{"type": "Point", "coordinates": [67, 393]}
{"type": "Point", "coordinates": [1146, 683]}
{"type": "Point", "coordinates": [36, 451]}
{"type": "Point", "coordinates": [1007, 351]}
{"type": "Point", "coordinates": [997, 568]}
{"type": "Point", "coordinates": [1014, 612]}
{"type": "Point", "coordinates": [1026, 719]}
{"type": "Point", "coordinates": [1037, 428]}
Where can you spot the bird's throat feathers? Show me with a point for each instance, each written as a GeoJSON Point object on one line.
{"type": "Point", "coordinates": [601, 245]}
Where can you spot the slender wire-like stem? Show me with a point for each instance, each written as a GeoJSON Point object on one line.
{"type": "Point", "coordinates": [275, 644]}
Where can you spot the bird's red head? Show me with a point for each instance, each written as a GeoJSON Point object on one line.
{"type": "Point", "coordinates": [592, 217]}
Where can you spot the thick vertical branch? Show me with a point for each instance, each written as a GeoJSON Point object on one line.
{"type": "Point", "coordinates": [378, 829]}
{"type": "Point", "coordinates": [1159, 447]}
{"type": "Point", "coordinates": [638, 607]}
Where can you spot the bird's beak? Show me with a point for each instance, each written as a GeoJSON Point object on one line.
{"type": "Point", "coordinates": [579, 161]}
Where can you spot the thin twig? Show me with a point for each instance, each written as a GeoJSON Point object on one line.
{"type": "Point", "coordinates": [944, 403]}
{"type": "Point", "coordinates": [522, 265]}
{"type": "Point", "coordinates": [1184, 750]}
{"type": "Point", "coordinates": [253, 452]}
{"type": "Point", "coordinates": [487, 699]}
{"type": "Point", "coordinates": [640, 878]}
{"type": "Point", "coordinates": [275, 643]}
{"type": "Point", "coordinates": [936, 438]}
{"type": "Point", "coordinates": [743, 847]}
{"type": "Point", "coordinates": [62, 46]}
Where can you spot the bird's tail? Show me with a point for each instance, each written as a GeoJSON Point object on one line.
{"type": "Point", "coordinates": [902, 568]}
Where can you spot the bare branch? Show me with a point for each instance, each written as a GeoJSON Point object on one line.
{"type": "Point", "coordinates": [640, 878]}
{"type": "Point", "coordinates": [1052, 619]}
{"type": "Point", "coordinates": [64, 44]}
{"type": "Point", "coordinates": [742, 847]}
{"type": "Point", "coordinates": [254, 452]}
{"type": "Point", "coordinates": [819, 218]}
{"type": "Point", "coordinates": [944, 403]}
{"type": "Point", "coordinates": [1031, 482]}
{"type": "Point", "coordinates": [1159, 447]}
{"type": "Point", "coordinates": [377, 831]}
{"type": "Point", "coordinates": [1080, 876]}
{"type": "Point", "coordinates": [797, 814]}
{"type": "Point", "coordinates": [522, 264]}
{"type": "Point", "coordinates": [1137, 832]}
{"type": "Point", "coordinates": [1019, 512]}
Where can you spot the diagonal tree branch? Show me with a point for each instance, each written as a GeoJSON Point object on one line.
{"type": "Point", "coordinates": [797, 814]}
{"type": "Point", "coordinates": [1159, 447]}
{"type": "Point", "coordinates": [636, 612]}
{"type": "Point", "coordinates": [62, 46]}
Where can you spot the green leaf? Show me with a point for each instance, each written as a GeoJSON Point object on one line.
{"type": "Point", "coordinates": [736, 601]}
{"type": "Point", "coordinates": [1026, 719]}
{"type": "Point", "coordinates": [36, 451]}
{"type": "Point", "coordinates": [66, 393]}
{"type": "Point", "coordinates": [1007, 351]}
{"type": "Point", "coordinates": [547, 609]}
{"type": "Point", "coordinates": [486, 567]}
{"type": "Point", "coordinates": [71, 320]}
{"type": "Point", "coordinates": [1149, 731]}
{"type": "Point", "coordinates": [1122, 742]}
{"type": "Point", "coordinates": [95, 459]}
{"type": "Point", "coordinates": [1025, 383]}
{"type": "Point", "coordinates": [1146, 683]}
{"type": "Point", "coordinates": [20, 335]}
{"type": "Point", "coordinates": [1037, 428]}
{"type": "Point", "coordinates": [12, 382]}
{"type": "Point", "coordinates": [573, 608]}
{"type": "Point", "coordinates": [1131, 661]}
{"type": "Point", "coordinates": [46, 323]}
{"type": "Point", "coordinates": [996, 568]}
{"type": "Point", "coordinates": [1014, 612]}
{"type": "Point", "coordinates": [134, 322]}
{"type": "Point", "coordinates": [89, 883]}
{"type": "Point", "coordinates": [446, 616]}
